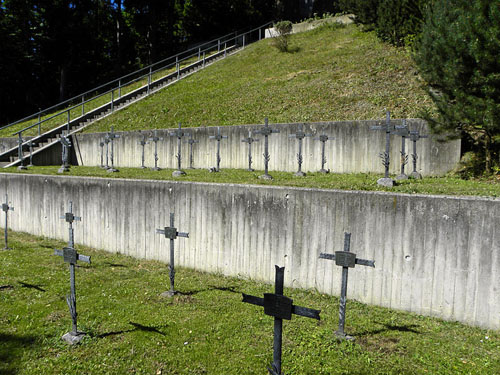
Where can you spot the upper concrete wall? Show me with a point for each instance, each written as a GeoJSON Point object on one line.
{"type": "Point", "coordinates": [355, 148]}
{"type": "Point", "coordinates": [434, 255]}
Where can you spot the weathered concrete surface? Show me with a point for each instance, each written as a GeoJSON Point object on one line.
{"type": "Point", "coordinates": [434, 255]}
{"type": "Point", "coordinates": [354, 149]}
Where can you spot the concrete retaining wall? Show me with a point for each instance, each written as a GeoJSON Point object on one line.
{"type": "Point", "coordinates": [434, 255]}
{"type": "Point", "coordinates": [354, 149]}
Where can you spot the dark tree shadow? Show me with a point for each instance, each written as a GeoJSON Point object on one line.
{"type": "Point", "coordinates": [12, 348]}
{"type": "Point", "coordinates": [31, 286]}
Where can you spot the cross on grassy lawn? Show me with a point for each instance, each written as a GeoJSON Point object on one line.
{"type": "Point", "coordinates": [111, 136]}
{"type": "Point", "coordinates": [266, 131]}
{"type": "Point", "coordinates": [191, 142]}
{"type": "Point", "coordinates": [171, 233]}
{"type": "Point", "coordinates": [143, 142]}
{"type": "Point", "coordinates": [414, 137]}
{"type": "Point", "coordinates": [179, 134]}
{"type": "Point", "coordinates": [155, 139]}
{"type": "Point", "coordinates": [66, 144]}
{"type": "Point", "coordinates": [6, 208]}
{"type": "Point", "coordinates": [323, 138]}
{"type": "Point", "coordinates": [250, 140]}
{"type": "Point", "coordinates": [218, 137]}
{"type": "Point", "coordinates": [404, 133]}
{"type": "Point", "coordinates": [280, 307]}
{"type": "Point", "coordinates": [346, 260]}
{"type": "Point", "coordinates": [300, 135]}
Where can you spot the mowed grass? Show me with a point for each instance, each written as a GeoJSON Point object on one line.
{"type": "Point", "coordinates": [206, 329]}
{"type": "Point", "coordinates": [487, 187]}
{"type": "Point", "coordinates": [332, 73]}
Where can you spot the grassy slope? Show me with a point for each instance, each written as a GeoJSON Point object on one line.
{"type": "Point", "coordinates": [334, 74]}
{"type": "Point", "coordinates": [207, 330]}
{"type": "Point", "coordinates": [359, 181]}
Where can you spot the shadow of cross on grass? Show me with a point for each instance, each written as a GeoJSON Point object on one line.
{"type": "Point", "coordinates": [137, 327]}
{"type": "Point", "coordinates": [31, 286]}
{"type": "Point", "coordinates": [390, 327]}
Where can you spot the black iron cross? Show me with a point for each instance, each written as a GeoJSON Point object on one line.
{"type": "Point", "coordinates": [155, 139]}
{"type": "Point", "coordinates": [171, 233]}
{"type": "Point", "coordinates": [346, 260]}
{"type": "Point", "coordinates": [143, 142]}
{"type": "Point", "coordinates": [414, 137]}
{"type": "Point", "coordinates": [20, 152]}
{"type": "Point", "coordinates": [71, 256]}
{"type": "Point", "coordinates": [218, 137]}
{"type": "Point", "coordinates": [106, 143]}
{"type": "Point", "coordinates": [300, 135]}
{"type": "Point", "coordinates": [30, 145]}
{"type": "Point", "coordinates": [388, 128]}
{"type": "Point", "coordinates": [101, 145]}
{"type": "Point", "coordinates": [250, 140]}
{"type": "Point", "coordinates": [111, 136]}
{"type": "Point", "coordinates": [323, 138]}
{"type": "Point", "coordinates": [191, 142]}
{"type": "Point", "coordinates": [6, 208]}
{"type": "Point", "coordinates": [66, 144]}
{"type": "Point", "coordinates": [179, 134]}
{"type": "Point", "coordinates": [266, 131]}
{"type": "Point", "coordinates": [404, 133]}
{"type": "Point", "coordinates": [280, 307]}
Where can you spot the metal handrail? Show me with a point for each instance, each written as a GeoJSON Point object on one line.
{"type": "Point", "coordinates": [217, 42]}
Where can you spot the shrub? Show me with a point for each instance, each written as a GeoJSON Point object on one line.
{"type": "Point", "coordinates": [283, 31]}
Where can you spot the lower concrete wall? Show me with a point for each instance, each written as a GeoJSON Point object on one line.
{"type": "Point", "coordinates": [355, 148]}
{"type": "Point", "coordinates": [434, 255]}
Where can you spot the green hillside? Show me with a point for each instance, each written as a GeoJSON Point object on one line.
{"type": "Point", "coordinates": [332, 73]}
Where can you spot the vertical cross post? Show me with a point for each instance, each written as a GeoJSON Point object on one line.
{"type": "Point", "coordinates": [30, 145]}
{"type": "Point", "coordinates": [111, 137]}
{"type": "Point", "coordinates": [143, 142]}
{"type": "Point", "coordinates": [155, 139]}
{"type": "Point", "coordinates": [179, 134]}
{"type": "Point", "coordinates": [323, 138]}
{"type": "Point", "coordinates": [20, 152]}
{"type": "Point", "coordinates": [191, 142]}
{"type": "Point", "coordinates": [266, 131]}
{"type": "Point", "coordinates": [65, 144]}
{"type": "Point", "coordinates": [300, 135]}
{"type": "Point", "coordinates": [171, 233]}
{"type": "Point", "coordinates": [106, 142]}
{"type": "Point", "coordinates": [71, 256]}
{"type": "Point", "coordinates": [218, 137]}
{"type": "Point", "coordinates": [280, 307]}
{"type": "Point", "coordinates": [403, 131]}
{"type": "Point", "coordinates": [414, 137]}
{"type": "Point", "coordinates": [6, 208]}
{"type": "Point", "coordinates": [250, 140]}
{"type": "Point", "coordinates": [346, 260]}
{"type": "Point", "coordinates": [385, 156]}
{"type": "Point", "coordinates": [101, 145]}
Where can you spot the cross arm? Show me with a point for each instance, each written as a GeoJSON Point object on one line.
{"type": "Point", "coordinates": [258, 301]}
{"type": "Point", "coordinates": [305, 311]}
{"type": "Point", "coordinates": [80, 257]}
{"type": "Point", "coordinates": [6, 207]}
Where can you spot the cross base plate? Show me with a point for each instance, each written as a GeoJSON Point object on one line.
{"type": "Point", "coordinates": [7, 248]}
{"type": "Point", "coordinates": [266, 177]}
{"type": "Point", "coordinates": [112, 170]}
{"type": "Point", "coordinates": [143, 167]}
{"type": "Point", "coordinates": [299, 174]}
{"type": "Point", "coordinates": [169, 293]}
{"type": "Point", "coordinates": [402, 176]}
{"type": "Point", "coordinates": [385, 181]}
{"type": "Point", "coordinates": [62, 169]}
{"type": "Point", "coordinates": [213, 170]}
{"type": "Point", "coordinates": [73, 338]}
{"type": "Point", "coordinates": [156, 169]}
{"type": "Point", "coordinates": [341, 336]}
{"type": "Point", "coordinates": [324, 171]}
{"type": "Point", "coordinates": [250, 169]}
{"type": "Point", "coordinates": [178, 173]}
{"type": "Point", "coordinates": [415, 175]}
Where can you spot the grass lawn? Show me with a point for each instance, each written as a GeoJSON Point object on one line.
{"type": "Point", "coordinates": [206, 329]}
{"type": "Point", "coordinates": [488, 187]}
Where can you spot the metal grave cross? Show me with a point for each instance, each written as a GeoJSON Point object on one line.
{"type": "Point", "coordinates": [179, 134]}
{"type": "Point", "coordinates": [171, 233]}
{"type": "Point", "coordinates": [106, 143]}
{"type": "Point", "coordinates": [143, 142]}
{"type": "Point", "coordinates": [266, 131]}
{"type": "Point", "coordinates": [111, 136]}
{"type": "Point", "coordinates": [218, 137]}
{"type": "Point", "coordinates": [323, 138]}
{"type": "Point", "coordinates": [101, 145]}
{"type": "Point", "coordinates": [20, 152]}
{"type": "Point", "coordinates": [300, 135]}
{"type": "Point", "coordinates": [155, 139]}
{"type": "Point", "coordinates": [280, 307]}
{"type": "Point", "coordinates": [66, 144]}
{"type": "Point", "coordinates": [414, 137]}
{"type": "Point", "coordinates": [388, 128]}
{"type": "Point", "coordinates": [30, 145]}
{"type": "Point", "coordinates": [404, 133]}
{"type": "Point", "coordinates": [71, 256]}
{"type": "Point", "coordinates": [6, 208]}
{"type": "Point", "coordinates": [346, 260]}
{"type": "Point", "coordinates": [191, 142]}
{"type": "Point", "coordinates": [250, 140]}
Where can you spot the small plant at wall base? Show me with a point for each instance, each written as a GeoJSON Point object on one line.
{"type": "Point", "coordinates": [283, 31]}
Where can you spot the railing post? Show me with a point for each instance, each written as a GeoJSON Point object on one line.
{"type": "Point", "coordinates": [39, 121]}
{"type": "Point", "coordinates": [203, 59]}
{"type": "Point", "coordinates": [243, 40]}
{"type": "Point", "coordinates": [199, 53]}
{"type": "Point", "coordinates": [225, 49]}
{"type": "Point", "coordinates": [218, 45]}
{"type": "Point", "coordinates": [83, 105]}
{"type": "Point", "coordinates": [177, 65]}
{"type": "Point", "coordinates": [112, 100]}
{"type": "Point", "coordinates": [119, 88]}
{"type": "Point", "coordinates": [69, 118]}
{"type": "Point", "coordinates": [259, 34]}
{"type": "Point", "coordinates": [149, 80]}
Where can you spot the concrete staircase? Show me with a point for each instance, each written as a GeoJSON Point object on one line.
{"type": "Point", "coordinates": [43, 145]}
